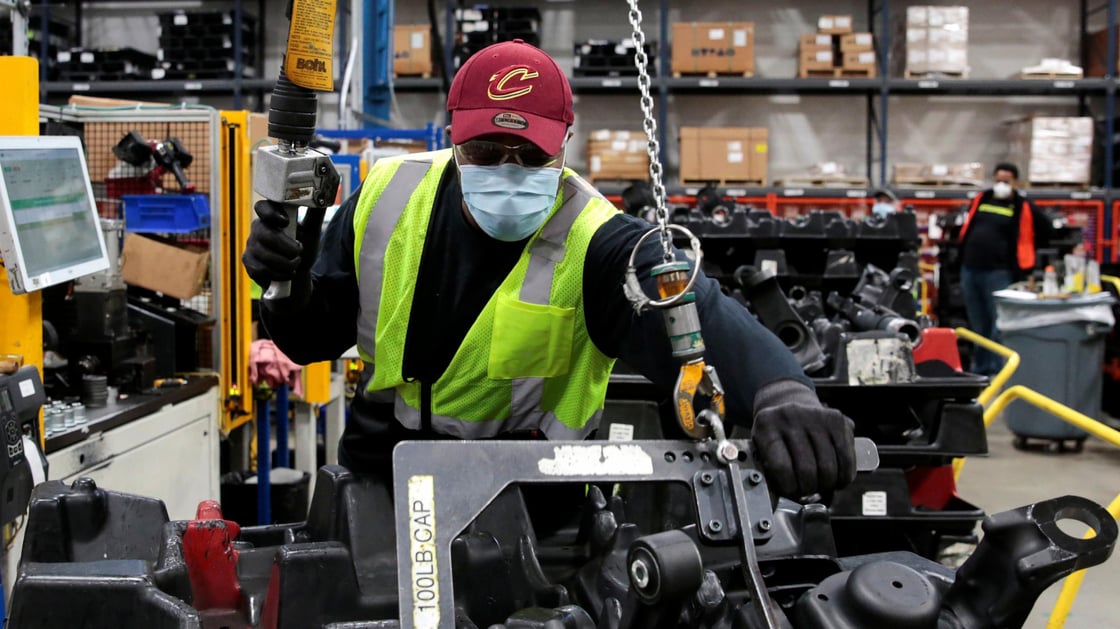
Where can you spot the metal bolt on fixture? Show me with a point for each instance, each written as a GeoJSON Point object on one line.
{"type": "Point", "coordinates": [715, 526]}
{"type": "Point", "coordinates": [764, 525]}
{"type": "Point", "coordinates": [639, 571]}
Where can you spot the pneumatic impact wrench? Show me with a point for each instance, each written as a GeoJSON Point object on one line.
{"type": "Point", "coordinates": [291, 172]}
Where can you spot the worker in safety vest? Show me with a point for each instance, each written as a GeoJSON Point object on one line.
{"type": "Point", "coordinates": [997, 247]}
{"type": "Point", "coordinates": [484, 285]}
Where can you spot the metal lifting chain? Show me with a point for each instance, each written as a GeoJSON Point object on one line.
{"type": "Point", "coordinates": [653, 145]}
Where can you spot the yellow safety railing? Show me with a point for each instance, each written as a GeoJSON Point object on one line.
{"type": "Point", "coordinates": [1084, 422]}
{"type": "Point", "coordinates": [996, 384]}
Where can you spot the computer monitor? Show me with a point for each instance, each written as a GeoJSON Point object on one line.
{"type": "Point", "coordinates": [50, 232]}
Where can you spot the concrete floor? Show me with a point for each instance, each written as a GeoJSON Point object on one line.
{"type": "Point", "coordinates": [1009, 478]}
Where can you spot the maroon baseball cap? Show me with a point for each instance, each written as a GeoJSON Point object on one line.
{"type": "Point", "coordinates": [511, 87]}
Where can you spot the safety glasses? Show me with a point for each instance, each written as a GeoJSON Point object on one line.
{"type": "Point", "coordinates": [487, 153]}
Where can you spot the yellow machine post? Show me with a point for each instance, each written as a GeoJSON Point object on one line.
{"type": "Point", "coordinates": [21, 316]}
{"type": "Point", "coordinates": [236, 323]}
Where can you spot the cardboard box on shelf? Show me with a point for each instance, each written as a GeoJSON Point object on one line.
{"type": "Point", "coordinates": [1095, 57]}
{"type": "Point", "coordinates": [936, 40]}
{"type": "Point", "coordinates": [720, 154]}
{"type": "Point", "coordinates": [815, 41]}
{"type": "Point", "coordinates": [412, 50]}
{"type": "Point", "coordinates": [859, 60]}
{"type": "Point", "coordinates": [834, 24]}
{"type": "Point", "coordinates": [166, 268]}
{"type": "Point", "coordinates": [759, 152]}
{"type": "Point", "coordinates": [854, 42]}
{"type": "Point", "coordinates": [1053, 150]}
{"type": "Point", "coordinates": [716, 47]}
{"type": "Point", "coordinates": [817, 60]}
{"type": "Point", "coordinates": [947, 174]}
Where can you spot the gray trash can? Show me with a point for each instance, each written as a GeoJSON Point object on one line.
{"type": "Point", "coordinates": [1061, 344]}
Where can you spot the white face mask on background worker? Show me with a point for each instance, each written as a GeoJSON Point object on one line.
{"type": "Point", "coordinates": [1002, 190]}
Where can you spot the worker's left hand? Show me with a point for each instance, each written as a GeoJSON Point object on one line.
{"type": "Point", "coordinates": [804, 448]}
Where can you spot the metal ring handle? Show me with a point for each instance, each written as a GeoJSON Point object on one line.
{"type": "Point", "coordinates": [638, 296]}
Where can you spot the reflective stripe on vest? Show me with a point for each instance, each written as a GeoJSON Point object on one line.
{"type": "Point", "coordinates": [545, 252]}
{"type": "Point", "coordinates": [382, 221]}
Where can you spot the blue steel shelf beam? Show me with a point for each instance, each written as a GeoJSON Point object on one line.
{"type": "Point", "coordinates": [377, 62]}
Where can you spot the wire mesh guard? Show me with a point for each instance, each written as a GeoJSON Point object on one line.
{"type": "Point", "coordinates": [149, 156]}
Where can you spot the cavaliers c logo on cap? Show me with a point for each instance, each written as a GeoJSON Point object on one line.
{"type": "Point", "coordinates": [511, 84]}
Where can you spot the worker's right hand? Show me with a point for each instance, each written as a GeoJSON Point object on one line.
{"type": "Point", "coordinates": [271, 255]}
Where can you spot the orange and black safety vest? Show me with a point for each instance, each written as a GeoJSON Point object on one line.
{"type": "Point", "coordinates": [1024, 247]}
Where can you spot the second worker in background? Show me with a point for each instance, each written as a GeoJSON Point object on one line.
{"type": "Point", "coordinates": [484, 285]}
{"type": "Point", "coordinates": [997, 248]}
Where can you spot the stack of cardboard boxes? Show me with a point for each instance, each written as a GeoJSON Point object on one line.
{"type": "Point", "coordinates": [617, 155]}
{"type": "Point", "coordinates": [970, 174]}
{"type": "Point", "coordinates": [936, 41]}
{"type": "Point", "coordinates": [713, 48]}
{"type": "Point", "coordinates": [1053, 150]}
{"type": "Point", "coordinates": [412, 50]}
{"type": "Point", "coordinates": [724, 155]}
{"type": "Point", "coordinates": [834, 50]}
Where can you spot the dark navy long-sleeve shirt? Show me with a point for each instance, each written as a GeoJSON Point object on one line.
{"type": "Point", "coordinates": [461, 268]}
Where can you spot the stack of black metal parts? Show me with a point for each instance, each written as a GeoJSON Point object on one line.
{"type": "Point", "coordinates": [89, 64]}
{"type": "Point", "coordinates": [202, 45]}
{"type": "Point", "coordinates": [93, 557]}
{"type": "Point", "coordinates": [817, 282]}
{"type": "Point", "coordinates": [479, 26]}
{"type": "Point", "coordinates": [600, 57]}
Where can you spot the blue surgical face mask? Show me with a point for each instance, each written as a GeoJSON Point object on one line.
{"type": "Point", "coordinates": [882, 208]}
{"type": "Point", "coordinates": [509, 201]}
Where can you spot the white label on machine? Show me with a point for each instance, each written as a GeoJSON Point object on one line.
{"type": "Point", "coordinates": [620, 460]}
{"type": "Point", "coordinates": [79, 87]}
{"type": "Point", "coordinates": [417, 40]}
{"type": "Point", "coordinates": [621, 432]}
{"type": "Point", "coordinates": [928, 85]}
{"type": "Point", "coordinates": [715, 33]}
{"type": "Point", "coordinates": [709, 83]}
{"type": "Point", "coordinates": [422, 547]}
{"type": "Point", "coordinates": [770, 267]}
{"type": "Point", "coordinates": [64, 56]}
{"type": "Point", "coordinates": [192, 86]}
{"type": "Point", "coordinates": [180, 19]}
{"type": "Point", "coordinates": [740, 37]}
{"type": "Point", "coordinates": [841, 83]}
{"type": "Point", "coordinates": [86, 57]}
{"type": "Point", "coordinates": [612, 82]}
{"type": "Point", "coordinates": [874, 503]}
{"type": "Point", "coordinates": [27, 388]}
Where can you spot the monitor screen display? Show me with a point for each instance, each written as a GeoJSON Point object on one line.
{"type": "Point", "coordinates": [52, 227]}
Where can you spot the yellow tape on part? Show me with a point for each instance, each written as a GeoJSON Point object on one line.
{"type": "Point", "coordinates": [309, 61]}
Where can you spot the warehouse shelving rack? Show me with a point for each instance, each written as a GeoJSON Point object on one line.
{"type": "Point", "coordinates": [237, 86]}
{"type": "Point", "coordinates": [1102, 206]}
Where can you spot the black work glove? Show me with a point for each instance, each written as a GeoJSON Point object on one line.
{"type": "Point", "coordinates": [803, 447]}
{"type": "Point", "coordinates": [271, 255]}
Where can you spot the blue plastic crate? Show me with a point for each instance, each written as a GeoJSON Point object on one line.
{"type": "Point", "coordinates": [166, 213]}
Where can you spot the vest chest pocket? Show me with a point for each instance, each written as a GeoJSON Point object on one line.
{"type": "Point", "coordinates": [530, 340]}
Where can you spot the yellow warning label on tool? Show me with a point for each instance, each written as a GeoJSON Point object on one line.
{"type": "Point", "coordinates": [309, 61]}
